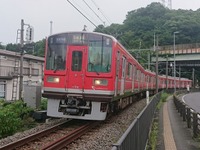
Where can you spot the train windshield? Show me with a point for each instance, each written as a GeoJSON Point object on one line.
{"type": "Point", "coordinates": [99, 55]}
{"type": "Point", "coordinates": [56, 57]}
{"type": "Point", "coordinates": [99, 51]}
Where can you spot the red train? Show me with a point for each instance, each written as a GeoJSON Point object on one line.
{"type": "Point", "coordinates": [89, 74]}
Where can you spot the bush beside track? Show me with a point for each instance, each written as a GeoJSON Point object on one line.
{"type": "Point", "coordinates": [16, 116]}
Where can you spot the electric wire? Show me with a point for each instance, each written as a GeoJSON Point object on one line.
{"type": "Point", "coordinates": [101, 12]}
{"type": "Point", "coordinates": [95, 24]}
{"type": "Point", "coordinates": [128, 46]}
{"type": "Point", "coordinates": [81, 13]}
{"type": "Point", "coordinates": [83, 10]}
{"type": "Point", "coordinates": [94, 12]}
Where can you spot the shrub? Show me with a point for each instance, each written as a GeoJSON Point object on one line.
{"type": "Point", "coordinates": [12, 116]}
{"type": "Point", "coordinates": [43, 105]}
{"type": "Point", "coordinates": [164, 96]}
{"type": "Point", "coordinates": [9, 121]}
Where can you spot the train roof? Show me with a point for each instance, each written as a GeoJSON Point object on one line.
{"type": "Point", "coordinates": [87, 32]}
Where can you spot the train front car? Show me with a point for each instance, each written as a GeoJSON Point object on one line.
{"type": "Point", "coordinates": [78, 81]}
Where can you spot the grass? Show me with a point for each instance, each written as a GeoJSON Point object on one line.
{"type": "Point", "coordinates": [155, 127]}
{"type": "Point", "coordinates": [153, 136]}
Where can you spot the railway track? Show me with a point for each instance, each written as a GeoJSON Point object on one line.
{"type": "Point", "coordinates": [59, 134]}
{"type": "Point", "coordinates": [69, 138]}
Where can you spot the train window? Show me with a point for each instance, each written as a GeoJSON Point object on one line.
{"type": "Point", "coordinates": [136, 72]}
{"type": "Point", "coordinates": [56, 56]}
{"type": "Point", "coordinates": [138, 75]}
{"type": "Point", "coordinates": [118, 62]}
{"type": "Point", "coordinates": [100, 54]}
{"type": "Point", "coordinates": [142, 77]}
{"type": "Point", "coordinates": [123, 67]}
{"type": "Point", "coordinates": [129, 70]}
{"type": "Point", "coordinates": [76, 61]}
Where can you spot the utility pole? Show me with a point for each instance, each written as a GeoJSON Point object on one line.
{"type": "Point", "coordinates": [51, 22]}
{"type": "Point", "coordinates": [170, 4]}
{"type": "Point", "coordinates": [175, 60]}
{"type": "Point", "coordinates": [29, 38]}
{"type": "Point", "coordinates": [193, 76]}
{"type": "Point", "coordinates": [156, 49]}
{"type": "Point", "coordinates": [149, 60]}
{"type": "Point", "coordinates": [21, 60]}
{"type": "Point", "coordinates": [167, 72]}
{"type": "Point", "coordinates": [179, 77]}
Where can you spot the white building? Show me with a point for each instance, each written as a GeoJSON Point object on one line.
{"type": "Point", "coordinates": [10, 73]}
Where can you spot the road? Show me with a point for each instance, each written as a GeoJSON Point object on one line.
{"type": "Point", "coordinates": [193, 100]}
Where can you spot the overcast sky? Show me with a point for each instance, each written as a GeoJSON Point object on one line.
{"type": "Point", "coordinates": [39, 13]}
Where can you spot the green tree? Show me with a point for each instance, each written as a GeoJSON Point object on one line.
{"type": "Point", "coordinates": [40, 48]}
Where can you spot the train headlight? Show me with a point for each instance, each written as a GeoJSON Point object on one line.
{"type": "Point", "coordinates": [100, 82]}
{"type": "Point", "coordinates": [53, 79]}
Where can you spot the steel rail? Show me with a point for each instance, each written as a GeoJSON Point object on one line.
{"type": "Point", "coordinates": [69, 138]}
{"type": "Point", "coordinates": [27, 139]}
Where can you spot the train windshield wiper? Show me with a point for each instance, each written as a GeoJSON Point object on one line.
{"type": "Point", "coordinates": [55, 65]}
{"type": "Point", "coordinates": [93, 67]}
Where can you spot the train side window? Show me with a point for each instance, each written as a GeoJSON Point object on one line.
{"type": "Point", "coordinates": [136, 74]}
{"type": "Point", "coordinates": [123, 67]}
{"type": "Point", "coordinates": [129, 70]}
{"type": "Point", "coordinates": [141, 77]}
{"type": "Point", "coordinates": [133, 72]}
{"type": "Point", "coordinates": [118, 63]}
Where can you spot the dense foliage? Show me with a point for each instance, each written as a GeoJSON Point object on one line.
{"type": "Point", "coordinates": [43, 105]}
{"type": "Point", "coordinates": [35, 48]}
{"type": "Point", "coordinates": [137, 30]}
{"type": "Point", "coordinates": [13, 117]}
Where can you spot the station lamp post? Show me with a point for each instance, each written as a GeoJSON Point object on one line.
{"type": "Point", "coordinates": [175, 60]}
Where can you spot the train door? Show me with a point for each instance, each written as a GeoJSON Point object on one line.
{"type": "Point", "coordinates": [123, 75]}
{"type": "Point", "coordinates": [75, 70]}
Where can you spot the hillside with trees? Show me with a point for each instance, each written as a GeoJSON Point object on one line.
{"type": "Point", "coordinates": [138, 28]}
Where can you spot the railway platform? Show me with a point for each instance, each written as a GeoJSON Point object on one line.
{"type": "Point", "coordinates": [173, 132]}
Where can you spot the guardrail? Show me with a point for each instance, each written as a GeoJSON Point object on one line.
{"type": "Point", "coordinates": [188, 114]}
{"type": "Point", "coordinates": [136, 136]}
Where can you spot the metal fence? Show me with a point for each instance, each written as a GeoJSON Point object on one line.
{"type": "Point", "coordinates": [188, 114]}
{"type": "Point", "coordinates": [136, 136]}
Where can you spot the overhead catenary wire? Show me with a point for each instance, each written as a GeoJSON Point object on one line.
{"type": "Point", "coordinates": [82, 13]}
{"type": "Point", "coordinates": [93, 22]}
{"type": "Point", "coordinates": [101, 12]}
{"type": "Point", "coordinates": [84, 10]}
{"type": "Point", "coordinates": [94, 12]}
{"type": "Point", "coordinates": [128, 46]}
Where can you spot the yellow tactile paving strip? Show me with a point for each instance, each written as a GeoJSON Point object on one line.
{"type": "Point", "coordinates": [168, 135]}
